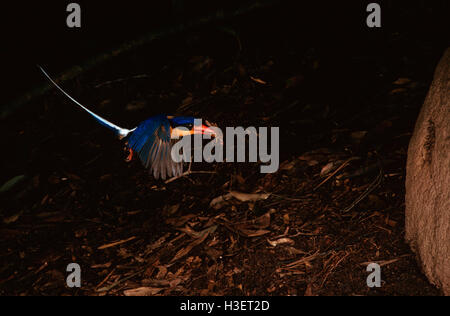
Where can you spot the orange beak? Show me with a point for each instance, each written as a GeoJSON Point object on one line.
{"type": "Point", "coordinates": [196, 130]}
{"type": "Point", "coordinates": [204, 130]}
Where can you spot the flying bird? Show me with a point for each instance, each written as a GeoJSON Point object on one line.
{"type": "Point", "coordinates": [152, 139]}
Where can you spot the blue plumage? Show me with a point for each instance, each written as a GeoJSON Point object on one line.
{"type": "Point", "coordinates": [146, 129]}
{"type": "Point", "coordinates": [182, 120]}
{"type": "Point", "coordinates": [152, 141]}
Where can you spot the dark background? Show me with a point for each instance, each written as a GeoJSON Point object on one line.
{"type": "Point", "coordinates": [36, 33]}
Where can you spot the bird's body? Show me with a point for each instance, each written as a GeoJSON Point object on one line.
{"type": "Point", "coordinates": [152, 139]}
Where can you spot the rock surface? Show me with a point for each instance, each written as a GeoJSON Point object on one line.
{"type": "Point", "coordinates": [428, 181]}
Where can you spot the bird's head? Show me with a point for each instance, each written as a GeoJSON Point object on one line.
{"type": "Point", "coordinates": [186, 125]}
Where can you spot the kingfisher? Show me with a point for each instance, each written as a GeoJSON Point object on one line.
{"type": "Point", "coordinates": [152, 139]}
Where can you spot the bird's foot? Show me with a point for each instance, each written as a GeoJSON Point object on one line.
{"type": "Point", "coordinates": [130, 155]}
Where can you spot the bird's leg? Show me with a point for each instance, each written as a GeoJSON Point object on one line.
{"type": "Point", "coordinates": [130, 155]}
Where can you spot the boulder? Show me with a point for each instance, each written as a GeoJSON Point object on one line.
{"type": "Point", "coordinates": [428, 181]}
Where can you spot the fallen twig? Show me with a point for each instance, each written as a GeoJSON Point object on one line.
{"type": "Point", "coordinates": [333, 267]}
{"type": "Point", "coordinates": [187, 173]}
{"type": "Point", "coordinates": [304, 260]}
{"type": "Point", "coordinates": [344, 164]}
{"type": "Point", "coordinates": [116, 243]}
{"type": "Point", "coordinates": [105, 279]}
{"type": "Point", "coordinates": [384, 262]}
{"type": "Point", "coordinates": [110, 287]}
{"type": "Point", "coordinates": [369, 189]}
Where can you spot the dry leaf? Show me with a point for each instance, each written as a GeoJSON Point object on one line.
{"type": "Point", "coordinates": [287, 165]}
{"type": "Point", "coordinates": [12, 219]}
{"type": "Point", "coordinates": [190, 232]}
{"type": "Point", "coordinates": [202, 236]}
{"type": "Point", "coordinates": [255, 227]}
{"type": "Point", "coordinates": [358, 135]}
{"type": "Point", "coordinates": [142, 291]}
{"type": "Point", "coordinates": [116, 243]}
{"type": "Point", "coordinates": [162, 272]}
{"type": "Point", "coordinates": [253, 233]}
{"type": "Point", "coordinates": [309, 290]}
{"type": "Point", "coordinates": [263, 221]}
{"type": "Point", "coordinates": [258, 80]}
{"type": "Point", "coordinates": [249, 197]}
{"type": "Point", "coordinates": [219, 201]}
{"type": "Point", "coordinates": [294, 251]}
{"type": "Point", "coordinates": [171, 209]}
{"type": "Point", "coordinates": [286, 219]}
{"type": "Point", "coordinates": [101, 266]}
{"type": "Point", "coordinates": [179, 221]}
{"type": "Point", "coordinates": [397, 91]}
{"type": "Point", "coordinates": [280, 241]}
{"type": "Point", "coordinates": [402, 81]}
{"type": "Point", "coordinates": [329, 167]}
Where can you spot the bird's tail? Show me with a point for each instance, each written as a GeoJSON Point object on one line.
{"type": "Point", "coordinates": [121, 132]}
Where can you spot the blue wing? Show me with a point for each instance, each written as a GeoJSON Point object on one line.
{"type": "Point", "coordinates": [151, 140]}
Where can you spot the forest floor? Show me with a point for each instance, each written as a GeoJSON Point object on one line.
{"type": "Point", "coordinates": [335, 205]}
